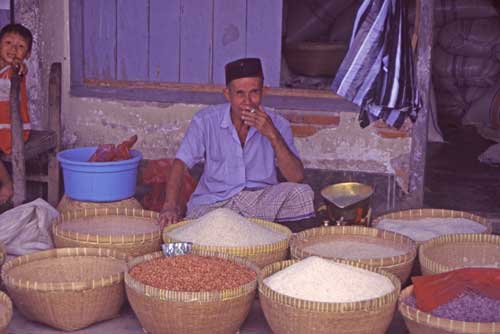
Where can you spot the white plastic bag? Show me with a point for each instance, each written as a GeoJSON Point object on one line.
{"type": "Point", "coordinates": [26, 228]}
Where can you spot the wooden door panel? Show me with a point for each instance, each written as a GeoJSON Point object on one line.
{"type": "Point", "coordinates": [99, 39]}
{"type": "Point", "coordinates": [164, 44]}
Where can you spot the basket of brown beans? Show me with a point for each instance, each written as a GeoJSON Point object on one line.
{"type": "Point", "coordinates": [199, 292]}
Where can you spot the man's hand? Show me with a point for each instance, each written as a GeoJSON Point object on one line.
{"type": "Point", "coordinates": [168, 215]}
{"type": "Point", "coordinates": [258, 119]}
{"type": "Point", "coordinates": [5, 193]}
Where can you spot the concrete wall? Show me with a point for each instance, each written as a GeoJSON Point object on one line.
{"type": "Point", "coordinates": [325, 140]}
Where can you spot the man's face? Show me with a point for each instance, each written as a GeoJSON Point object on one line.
{"type": "Point", "coordinates": [244, 93]}
{"type": "Point", "coordinates": [13, 48]}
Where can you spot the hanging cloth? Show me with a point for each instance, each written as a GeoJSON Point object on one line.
{"type": "Point", "coordinates": [377, 72]}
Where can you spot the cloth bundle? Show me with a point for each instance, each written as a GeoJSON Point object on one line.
{"type": "Point", "coordinates": [110, 152]}
{"type": "Point", "coordinates": [434, 290]}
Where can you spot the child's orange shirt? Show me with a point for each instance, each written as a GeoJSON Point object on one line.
{"type": "Point", "coordinates": [5, 133]}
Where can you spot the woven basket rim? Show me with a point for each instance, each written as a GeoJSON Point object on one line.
{"type": "Point", "coordinates": [297, 251]}
{"type": "Point", "coordinates": [239, 251]}
{"type": "Point", "coordinates": [3, 254]}
{"type": "Point", "coordinates": [427, 319]}
{"type": "Point", "coordinates": [180, 296]}
{"type": "Point", "coordinates": [7, 302]}
{"type": "Point", "coordinates": [133, 238]}
{"type": "Point", "coordinates": [64, 286]}
{"type": "Point", "coordinates": [315, 306]}
{"type": "Point", "coordinates": [452, 239]}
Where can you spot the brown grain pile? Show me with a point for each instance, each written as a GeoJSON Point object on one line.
{"type": "Point", "coordinates": [192, 273]}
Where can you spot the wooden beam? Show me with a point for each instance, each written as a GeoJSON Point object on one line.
{"type": "Point", "coordinates": [18, 166]}
{"type": "Point", "coordinates": [425, 24]}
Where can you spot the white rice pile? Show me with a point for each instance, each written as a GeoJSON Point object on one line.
{"type": "Point", "coordinates": [224, 227]}
{"type": "Point", "coordinates": [352, 249]}
{"type": "Point", "coordinates": [427, 228]}
{"type": "Point", "coordinates": [321, 280]}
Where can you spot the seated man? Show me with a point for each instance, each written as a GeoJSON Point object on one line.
{"type": "Point", "coordinates": [242, 143]}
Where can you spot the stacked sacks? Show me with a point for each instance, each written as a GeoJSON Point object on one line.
{"type": "Point", "coordinates": [466, 69]}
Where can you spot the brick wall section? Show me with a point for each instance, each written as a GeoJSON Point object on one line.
{"type": "Point", "coordinates": [384, 131]}
{"type": "Point", "coordinates": [307, 123]}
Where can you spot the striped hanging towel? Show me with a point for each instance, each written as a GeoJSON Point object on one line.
{"type": "Point", "coordinates": [377, 72]}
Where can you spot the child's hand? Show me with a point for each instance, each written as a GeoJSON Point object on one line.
{"type": "Point", "coordinates": [5, 193]}
{"type": "Point", "coordinates": [21, 68]}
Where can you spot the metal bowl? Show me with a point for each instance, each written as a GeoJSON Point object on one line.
{"type": "Point", "coordinates": [348, 203]}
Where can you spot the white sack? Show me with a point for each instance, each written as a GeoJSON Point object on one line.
{"type": "Point", "coordinates": [27, 228]}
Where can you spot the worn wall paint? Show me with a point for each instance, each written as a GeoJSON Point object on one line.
{"type": "Point", "coordinates": [160, 127]}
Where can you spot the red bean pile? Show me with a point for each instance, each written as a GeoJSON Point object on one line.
{"type": "Point", "coordinates": [192, 273]}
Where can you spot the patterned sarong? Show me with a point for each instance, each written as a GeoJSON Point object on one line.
{"type": "Point", "coordinates": [284, 201]}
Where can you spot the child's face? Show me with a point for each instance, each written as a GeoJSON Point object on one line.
{"type": "Point", "coordinates": [13, 49]}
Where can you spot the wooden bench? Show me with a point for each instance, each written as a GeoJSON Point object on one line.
{"type": "Point", "coordinates": [40, 143]}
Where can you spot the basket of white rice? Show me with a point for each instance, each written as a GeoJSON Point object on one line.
{"type": "Point", "coordinates": [378, 248]}
{"type": "Point", "coordinates": [130, 231]}
{"type": "Point", "coordinates": [450, 252]}
{"type": "Point", "coordinates": [223, 230]}
{"type": "Point", "coordinates": [317, 295]}
{"type": "Point", "coordinates": [425, 224]}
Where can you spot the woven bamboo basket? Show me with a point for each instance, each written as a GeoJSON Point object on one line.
{"type": "Point", "coordinates": [286, 314]}
{"type": "Point", "coordinates": [450, 252]}
{"type": "Point", "coordinates": [130, 231]}
{"type": "Point", "coordinates": [163, 311]}
{"type": "Point", "coordinates": [69, 288]}
{"type": "Point", "coordinates": [68, 204]}
{"type": "Point", "coordinates": [261, 255]}
{"type": "Point", "coordinates": [5, 312]}
{"type": "Point", "coordinates": [419, 322]}
{"type": "Point", "coordinates": [398, 265]}
{"type": "Point", "coordinates": [434, 213]}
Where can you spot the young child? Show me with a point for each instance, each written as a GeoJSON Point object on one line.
{"type": "Point", "coordinates": [15, 47]}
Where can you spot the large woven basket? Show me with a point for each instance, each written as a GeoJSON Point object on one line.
{"type": "Point", "coordinates": [68, 288]}
{"type": "Point", "coordinates": [291, 315]}
{"type": "Point", "coordinates": [398, 265]}
{"type": "Point", "coordinates": [261, 255]}
{"type": "Point", "coordinates": [434, 213]}
{"type": "Point", "coordinates": [68, 204]}
{"type": "Point", "coordinates": [5, 312]}
{"type": "Point", "coordinates": [163, 311]}
{"type": "Point", "coordinates": [419, 322]}
{"type": "Point", "coordinates": [455, 251]}
{"type": "Point", "coordinates": [135, 234]}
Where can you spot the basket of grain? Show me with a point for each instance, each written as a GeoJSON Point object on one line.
{"type": "Point", "coordinates": [201, 292]}
{"type": "Point", "coordinates": [424, 224]}
{"type": "Point", "coordinates": [225, 231]}
{"type": "Point", "coordinates": [466, 314]}
{"type": "Point", "coordinates": [130, 231]}
{"type": "Point", "coordinates": [450, 252]}
{"type": "Point", "coordinates": [5, 312]}
{"type": "Point", "coordinates": [377, 248]}
{"type": "Point", "coordinates": [68, 204]}
{"type": "Point", "coordinates": [69, 288]}
{"type": "Point", "coordinates": [317, 295]}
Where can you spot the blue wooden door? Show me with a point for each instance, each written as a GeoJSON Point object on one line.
{"type": "Point", "coordinates": [186, 41]}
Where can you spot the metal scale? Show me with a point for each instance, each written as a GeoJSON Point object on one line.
{"type": "Point", "coordinates": [347, 203]}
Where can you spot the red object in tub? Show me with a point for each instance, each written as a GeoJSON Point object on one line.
{"type": "Point", "coordinates": [110, 152]}
{"type": "Point", "coordinates": [434, 290]}
{"type": "Point", "coordinates": [155, 173]}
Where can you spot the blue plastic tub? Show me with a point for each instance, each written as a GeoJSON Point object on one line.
{"type": "Point", "coordinates": [98, 181]}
